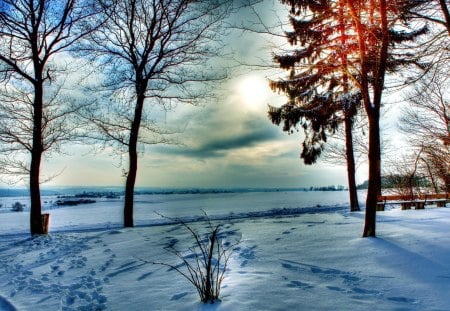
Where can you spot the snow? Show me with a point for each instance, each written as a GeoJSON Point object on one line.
{"type": "Point", "coordinates": [293, 256]}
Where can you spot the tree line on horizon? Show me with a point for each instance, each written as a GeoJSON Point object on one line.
{"type": "Point", "coordinates": [342, 53]}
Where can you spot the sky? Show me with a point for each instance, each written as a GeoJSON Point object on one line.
{"type": "Point", "coordinates": [226, 143]}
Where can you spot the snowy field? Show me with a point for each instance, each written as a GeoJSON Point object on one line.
{"type": "Point", "coordinates": [294, 255]}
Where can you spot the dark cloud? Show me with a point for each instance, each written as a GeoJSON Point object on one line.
{"type": "Point", "coordinates": [225, 138]}
{"type": "Point", "coordinates": [221, 147]}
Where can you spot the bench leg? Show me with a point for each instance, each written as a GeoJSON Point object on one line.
{"type": "Point", "coordinates": [380, 207]}
{"type": "Point", "coordinates": [406, 206]}
{"type": "Point", "coordinates": [419, 205]}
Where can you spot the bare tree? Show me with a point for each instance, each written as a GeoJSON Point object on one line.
{"type": "Point", "coordinates": [426, 122]}
{"type": "Point", "coordinates": [32, 32]}
{"type": "Point", "coordinates": [59, 126]}
{"type": "Point", "coordinates": [152, 52]}
{"type": "Point", "coordinates": [404, 175]}
{"type": "Point", "coordinates": [336, 151]}
{"type": "Point", "coordinates": [432, 16]}
{"type": "Point", "coordinates": [434, 11]}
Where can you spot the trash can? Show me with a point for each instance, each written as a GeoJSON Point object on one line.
{"type": "Point", "coordinates": [45, 223]}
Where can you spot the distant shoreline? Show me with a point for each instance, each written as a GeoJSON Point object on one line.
{"type": "Point", "coordinates": [101, 190]}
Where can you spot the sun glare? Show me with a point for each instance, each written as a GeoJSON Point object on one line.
{"type": "Point", "coordinates": [253, 91]}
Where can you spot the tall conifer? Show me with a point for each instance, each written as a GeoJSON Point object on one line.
{"type": "Point", "coordinates": [342, 52]}
{"type": "Point", "coordinates": [320, 94]}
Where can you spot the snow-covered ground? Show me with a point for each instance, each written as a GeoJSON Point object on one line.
{"type": "Point", "coordinates": [289, 259]}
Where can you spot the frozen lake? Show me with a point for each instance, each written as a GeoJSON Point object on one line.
{"type": "Point", "coordinates": [189, 206]}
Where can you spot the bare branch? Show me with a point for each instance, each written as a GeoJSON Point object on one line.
{"type": "Point", "coordinates": [206, 262]}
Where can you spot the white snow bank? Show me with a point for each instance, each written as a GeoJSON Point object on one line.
{"type": "Point", "coordinates": [313, 261]}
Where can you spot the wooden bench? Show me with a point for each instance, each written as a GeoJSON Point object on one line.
{"type": "Point", "coordinates": [418, 201]}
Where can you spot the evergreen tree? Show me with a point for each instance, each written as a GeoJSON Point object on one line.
{"type": "Point", "coordinates": [329, 77]}
{"type": "Point", "coordinates": [320, 94]}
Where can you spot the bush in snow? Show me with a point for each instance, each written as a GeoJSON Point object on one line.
{"type": "Point", "coordinates": [17, 207]}
{"type": "Point", "coordinates": [204, 264]}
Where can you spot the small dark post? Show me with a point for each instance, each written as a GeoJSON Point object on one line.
{"type": "Point", "coordinates": [45, 223]}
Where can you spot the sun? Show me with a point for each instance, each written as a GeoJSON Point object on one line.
{"type": "Point", "coordinates": [253, 91]}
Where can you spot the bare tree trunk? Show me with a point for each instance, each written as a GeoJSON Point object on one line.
{"type": "Point", "coordinates": [208, 289]}
{"type": "Point", "coordinates": [374, 174]}
{"type": "Point", "coordinates": [348, 116]}
{"type": "Point", "coordinates": [446, 13]}
{"type": "Point", "coordinates": [129, 188]}
{"type": "Point", "coordinates": [350, 157]}
{"type": "Point", "coordinates": [133, 162]}
{"type": "Point", "coordinates": [372, 107]}
{"type": "Point", "coordinates": [431, 176]}
{"type": "Point", "coordinates": [373, 113]}
{"type": "Point", "coordinates": [36, 226]}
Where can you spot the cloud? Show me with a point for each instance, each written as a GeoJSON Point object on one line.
{"type": "Point", "coordinates": [224, 137]}
{"type": "Point", "coordinates": [221, 127]}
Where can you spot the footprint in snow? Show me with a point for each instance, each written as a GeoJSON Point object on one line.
{"type": "Point", "coordinates": [247, 253]}
{"type": "Point", "coordinates": [130, 266]}
{"type": "Point", "coordinates": [144, 276]}
{"type": "Point", "coordinates": [342, 281]}
{"type": "Point", "coordinates": [402, 299]}
{"type": "Point", "coordinates": [358, 290]}
{"type": "Point", "coordinates": [300, 285]}
{"type": "Point", "coordinates": [288, 231]}
{"type": "Point", "coordinates": [178, 296]}
{"type": "Point", "coordinates": [337, 289]}
{"type": "Point", "coordinates": [113, 232]}
{"type": "Point", "coordinates": [86, 292]}
{"type": "Point", "coordinates": [107, 264]}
